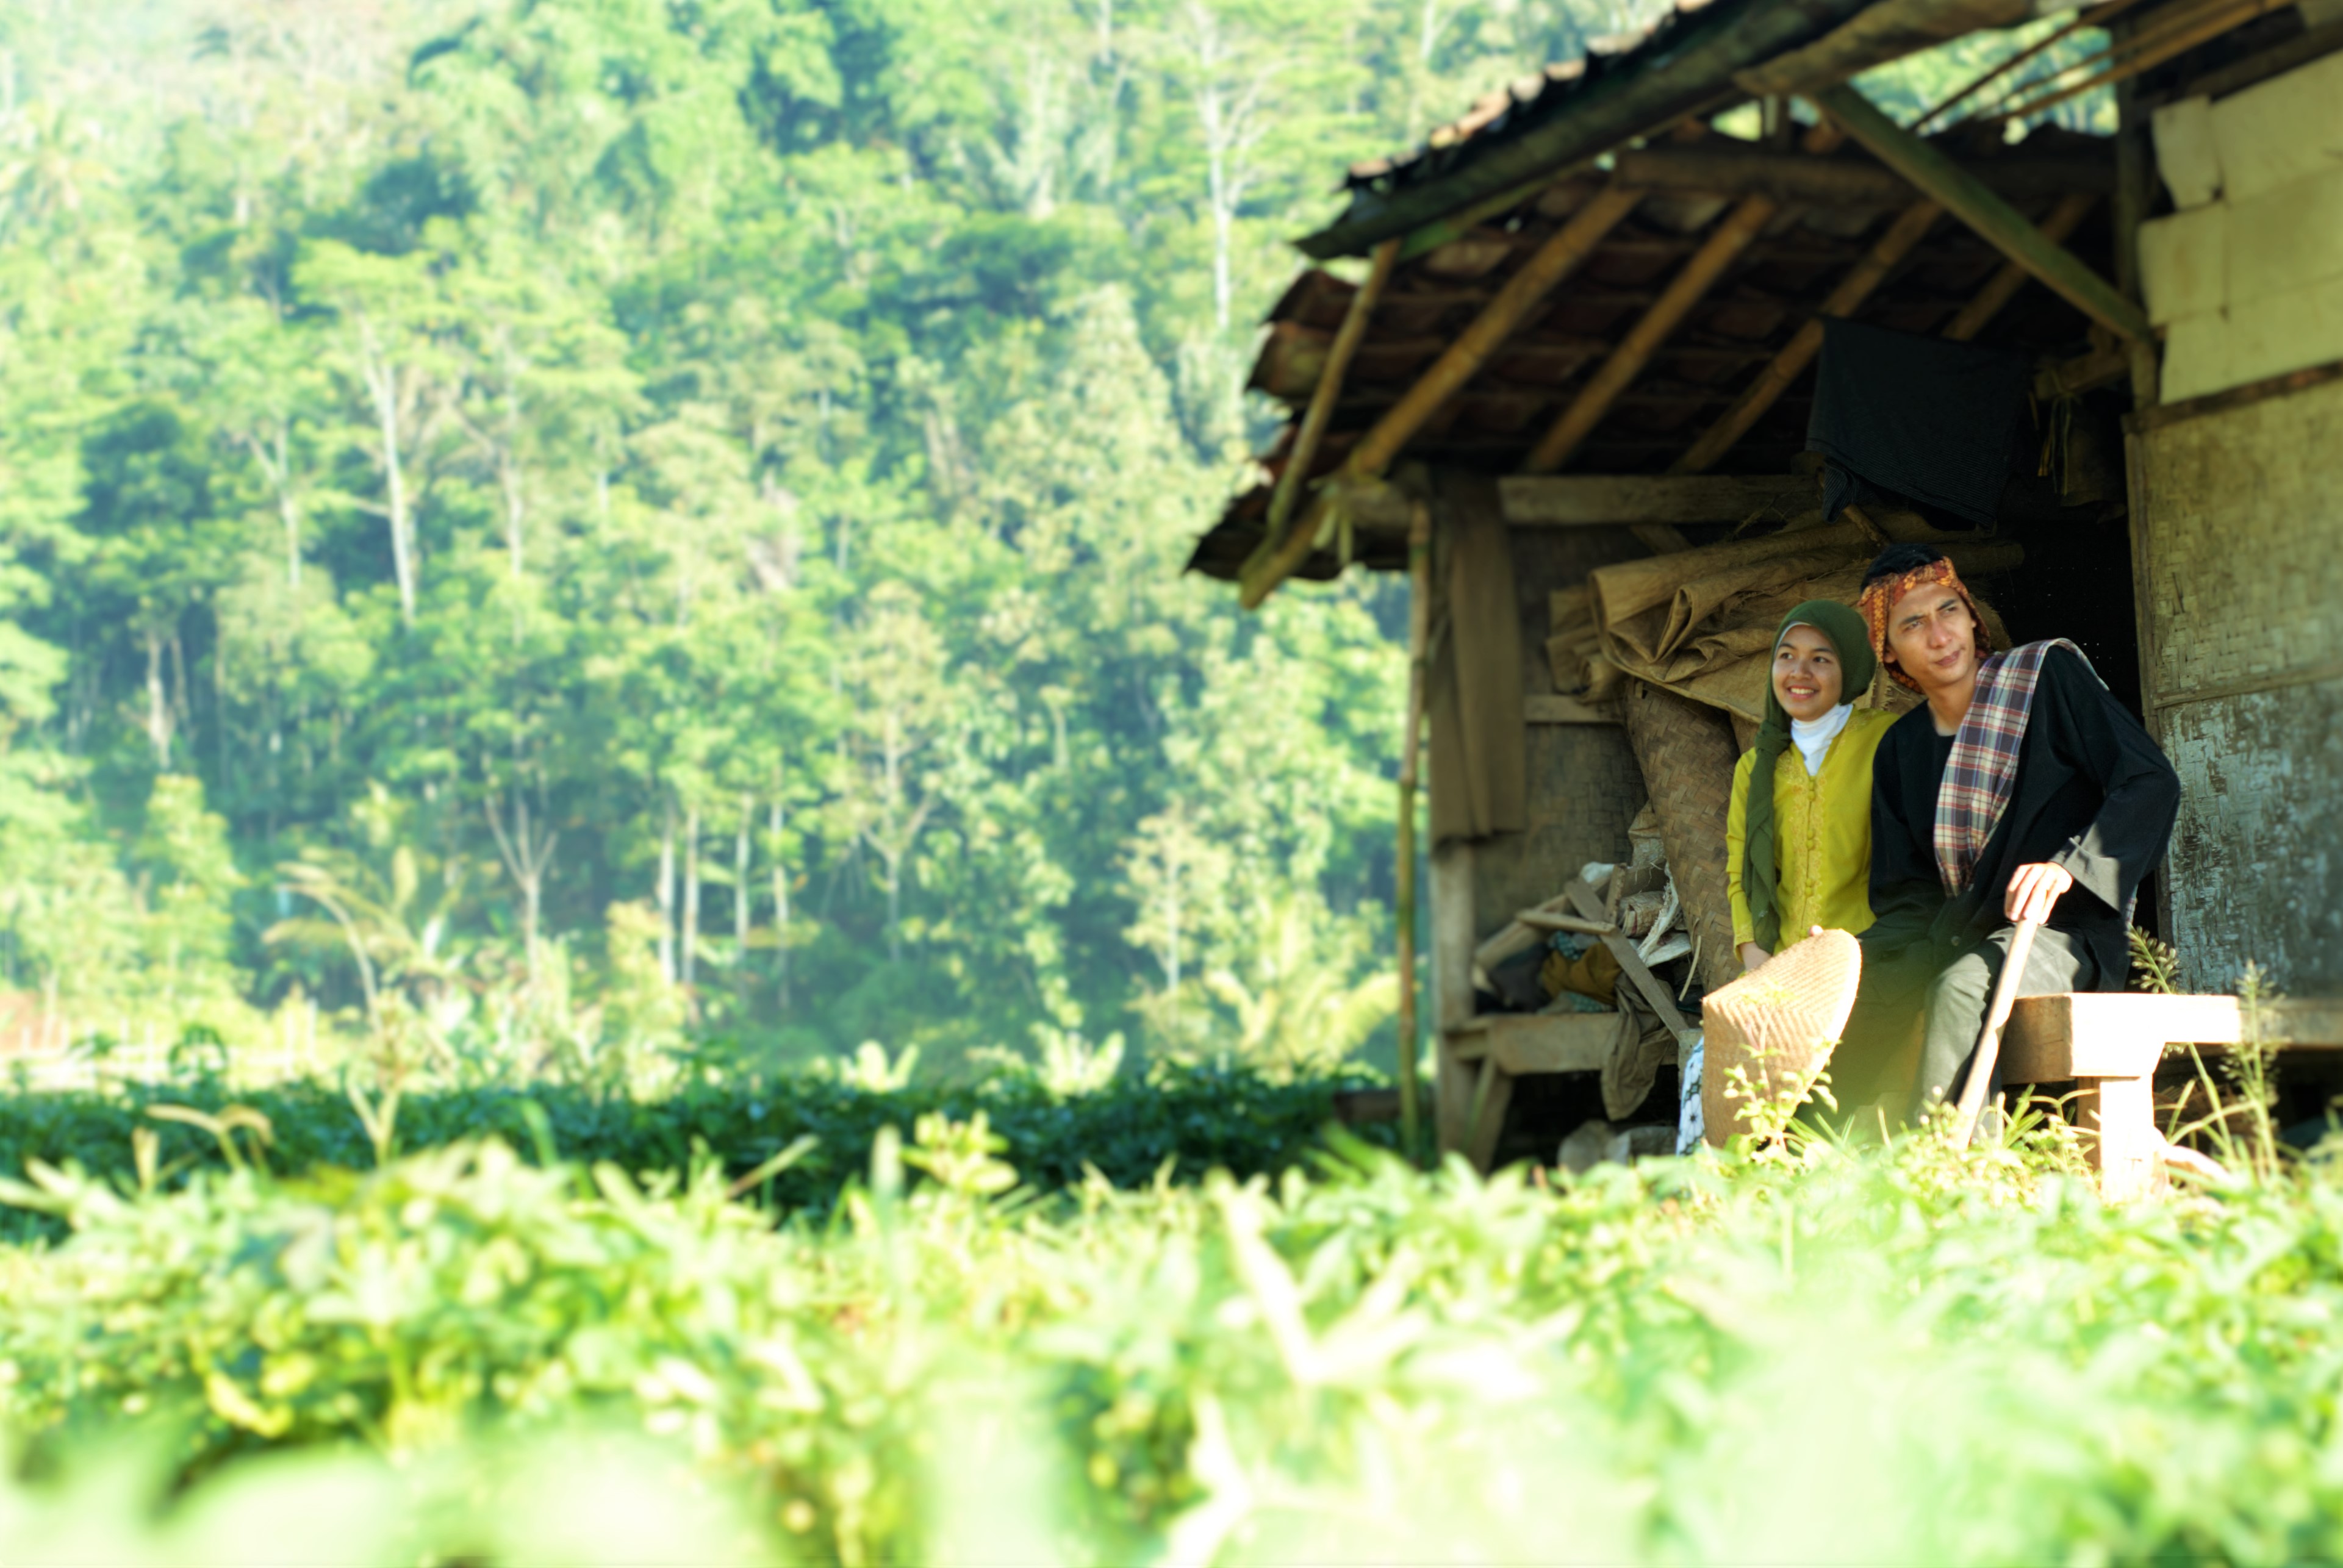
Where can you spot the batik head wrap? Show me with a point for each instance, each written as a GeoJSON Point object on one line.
{"type": "Point", "coordinates": [1760, 873]}
{"type": "Point", "coordinates": [1880, 599]}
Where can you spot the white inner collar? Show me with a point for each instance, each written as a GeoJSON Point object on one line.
{"type": "Point", "coordinates": [1813, 739]}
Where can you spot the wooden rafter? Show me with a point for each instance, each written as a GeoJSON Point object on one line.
{"type": "Point", "coordinates": [2063, 219]}
{"type": "Point", "coordinates": [1594, 500]}
{"type": "Point", "coordinates": [1552, 262]}
{"type": "Point", "coordinates": [1328, 391]}
{"type": "Point", "coordinates": [1634, 351]}
{"type": "Point", "coordinates": [1797, 179]}
{"type": "Point", "coordinates": [1967, 198]}
{"type": "Point", "coordinates": [1852, 289]}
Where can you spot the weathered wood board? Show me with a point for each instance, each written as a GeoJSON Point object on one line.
{"type": "Point", "coordinates": [2241, 591]}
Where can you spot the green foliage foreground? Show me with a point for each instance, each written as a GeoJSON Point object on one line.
{"type": "Point", "coordinates": [1178, 1120]}
{"type": "Point", "coordinates": [1894, 1356]}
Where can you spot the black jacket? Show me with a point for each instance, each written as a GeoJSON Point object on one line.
{"type": "Point", "coordinates": [2093, 795]}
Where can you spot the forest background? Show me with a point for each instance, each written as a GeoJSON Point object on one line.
{"type": "Point", "coordinates": [561, 529]}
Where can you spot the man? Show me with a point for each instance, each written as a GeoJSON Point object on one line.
{"type": "Point", "coordinates": [2019, 789]}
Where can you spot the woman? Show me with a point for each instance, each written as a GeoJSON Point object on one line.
{"type": "Point", "coordinates": [1798, 833]}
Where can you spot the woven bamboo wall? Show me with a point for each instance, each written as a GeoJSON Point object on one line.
{"type": "Point", "coordinates": [2243, 603]}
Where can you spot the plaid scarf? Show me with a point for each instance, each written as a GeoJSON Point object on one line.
{"type": "Point", "coordinates": [1982, 767]}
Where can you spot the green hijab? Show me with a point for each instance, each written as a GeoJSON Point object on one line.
{"type": "Point", "coordinates": [1760, 877]}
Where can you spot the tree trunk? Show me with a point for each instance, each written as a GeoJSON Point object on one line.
{"type": "Point", "coordinates": [780, 904]}
{"type": "Point", "coordinates": [158, 704]}
{"type": "Point", "coordinates": [510, 477]}
{"type": "Point", "coordinates": [382, 387]}
{"type": "Point", "coordinates": [527, 859]}
{"type": "Point", "coordinates": [894, 905]}
{"type": "Point", "coordinates": [691, 953]}
{"type": "Point", "coordinates": [667, 894]}
{"type": "Point", "coordinates": [740, 892]}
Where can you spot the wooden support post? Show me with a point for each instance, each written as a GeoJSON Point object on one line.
{"type": "Point", "coordinates": [1728, 241]}
{"type": "Point", "coordinates": [1322, 397]}
{"type": "Point", "coordinates": [2116, 1117]}
{"type": "Point", "coordinates": [1452, 986]}
{"type": "Point", "coordinates": [2002, 286]}
{"type": "Point", "coordinates": [1969, 200]}
{"type": "Point", "coordinates": [1855, 287]}
{"type": "Point", "coordinates": [1552, 261]}
{"type": "Point", "coordinates": [1419, 624]}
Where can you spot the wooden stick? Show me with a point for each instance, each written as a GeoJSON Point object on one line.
{"type": "Point", "coordinates": [1967, 198]}
{"type": "Point", "coordinates": [1631, 963]}
{"type": "Point", "coordinates": [2063, 219]}
{"type": "Point", "coordinates": [1797, 354]}
{"type": "Point", "coordinates": [1686, 289]}
{"type": "Point", "coordinates": [1552, 261]}
{"type": "Point", "coordinates": [1987, 1055]}
{"type": "Point", "coordinates": [1419, 629]}
{"type": "Point", "coordinates": [1322, 397]}
{"type": "Point", "coordinates": [1554, 920]}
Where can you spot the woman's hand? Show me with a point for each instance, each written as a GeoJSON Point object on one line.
{"type": "Point", "coordinates": [2034, 889]}
{"type": "Point", "coordinates": [1752, 955]}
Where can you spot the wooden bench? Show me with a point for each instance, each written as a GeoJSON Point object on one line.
{"type": "Point", "coordinates": [2109, 1044]}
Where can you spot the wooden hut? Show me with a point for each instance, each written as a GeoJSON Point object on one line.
{"type": "Point", "coordinates": [1579, 331]}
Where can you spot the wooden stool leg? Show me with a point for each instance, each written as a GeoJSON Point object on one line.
{"type": "Point", "coordinates": [2118, 1119]}
{"type": "Point", "coordinates": [1453, 1084]}
{"type": "Point", "coordinates": [1493, 1093]}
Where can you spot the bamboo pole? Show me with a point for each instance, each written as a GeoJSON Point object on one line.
{"type": "Point", "coordinates": [1686, 289]}
{"type": "Point", "coordinates": [2004, 285]}
{"type": "Point", "coordinates": [1797, 354]}
{"type": "Point", "coordinates": [1322, 397]}
{"type": "Point", "coordinates": [2094, 16]}
{"type": "Point", "coordinates": [1552, 262]}
{"type": "Point", "coordinates": [2158, 40]}
{"type": "Point", "coordinates": [1419, 636]}
{"type": "Point", "coordinates": [1974, 204]}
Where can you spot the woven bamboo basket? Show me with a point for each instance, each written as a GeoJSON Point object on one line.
{"type": "Point", "coordinates": [1686, 753]}
{"type": "Point", "coordinates": [1778, 1023]}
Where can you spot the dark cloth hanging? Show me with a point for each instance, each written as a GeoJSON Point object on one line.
{"type": "Point", "coordinates": [1928, 418]}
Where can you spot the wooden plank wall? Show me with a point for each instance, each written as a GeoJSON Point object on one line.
{"type": "Point", "coordinates": [2237, 505]}
{"type": "Point", "coordinates": [1583, 785]}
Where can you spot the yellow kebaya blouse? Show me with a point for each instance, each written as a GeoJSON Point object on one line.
{"type": "Point", "coordinates": [1822, 833]}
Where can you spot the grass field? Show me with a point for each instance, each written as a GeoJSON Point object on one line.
{"type": "Point", "coordinates": [1896, 1355]}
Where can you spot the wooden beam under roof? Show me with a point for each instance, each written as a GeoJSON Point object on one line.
{"type": "Point", "coordinates": [1805, 343]}
{"type": "Point", "coordinates": [1798, 179]}
{"type": "Point", "coordinates": [1968, 198]}
{"type": "Point", "coordinates": [1594, 500]}
{"type": "Point", "coordinates": [2004, 285]}
{"type": "Point", "coordinates": [1554, 261]}
{"type": "Point", "coordinates": [1686, 289]}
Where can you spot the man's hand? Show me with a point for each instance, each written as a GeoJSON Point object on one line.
{"type": "Point", "coordinates": [1752, 955]}
{"type": "Point", "coordinates": [2034, 889]}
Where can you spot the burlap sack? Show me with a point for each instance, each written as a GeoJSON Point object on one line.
{"type": "Point", "coordinates": [1777, 1023]}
